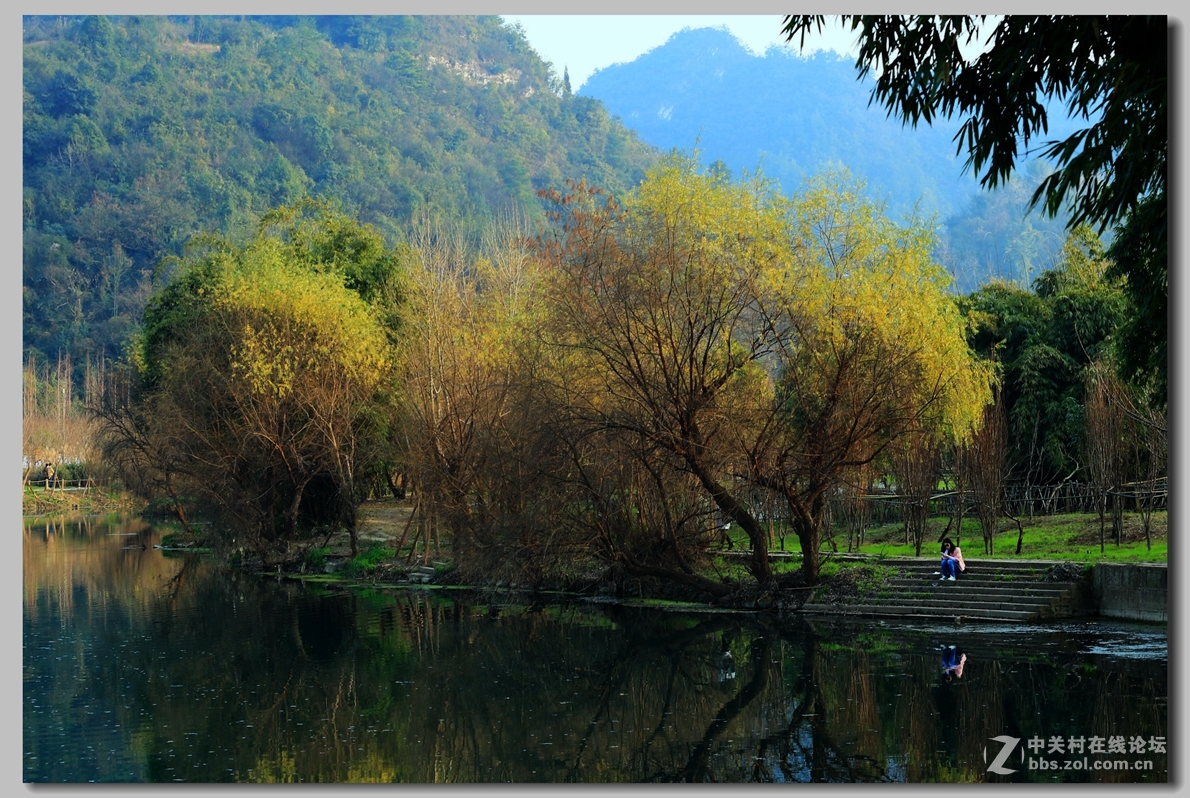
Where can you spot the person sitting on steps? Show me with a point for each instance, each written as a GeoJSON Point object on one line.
{"type": "Point", "coordinates": [952, 560]}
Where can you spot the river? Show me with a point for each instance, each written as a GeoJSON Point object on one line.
{"type": "Point", "coordinates": [143, 665]}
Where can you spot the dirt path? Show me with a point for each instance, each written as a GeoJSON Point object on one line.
{"type": "Point", "coordinates": [382, 521]}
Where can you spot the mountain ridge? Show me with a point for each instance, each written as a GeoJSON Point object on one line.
{"type": "Point", "coordinates": [140, 132]}
{"type": "Point", "coordinates": [792, 116]}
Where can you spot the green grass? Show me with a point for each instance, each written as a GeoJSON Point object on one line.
{"type": "Point", "coordinates": [316, 558]}
{"type": "Point", "coordinates": [1072, 537]}
{"type": "Point", "coordinates": [366, 561]}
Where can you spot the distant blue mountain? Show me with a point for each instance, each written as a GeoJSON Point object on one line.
{"type": "Point", "coordinates": [792, 116]}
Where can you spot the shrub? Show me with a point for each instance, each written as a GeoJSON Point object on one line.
{"type": "Point", "coordinates": [316, 558]}
{"type": "Point", "coordinates": [367, 561]}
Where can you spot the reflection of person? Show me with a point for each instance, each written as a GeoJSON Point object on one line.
{"type": "Point", "coordinates": [952, 560]}
{"type": "Point", "coordinates": [726, 666]}
{"type": "Point", "coordinates": [952, 663]}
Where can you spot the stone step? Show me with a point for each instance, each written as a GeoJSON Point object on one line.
{"type": "Point", "coordinates": [996, 585]}
{"type": "Point", "coordinates": [914, 612]}
{"type": "Point", "coordinates": [1003, 577]}
{"type": "Point", "coordinates": [972, 583]}
{"type": "Point", "coordinates": [951, 593]}
{"type": "Point", "coordinates": [980, 566]}
{"type": "Point", "coordinates": [972, 595]}
{"type": "Point", "coordinates": [980, 577]}
{"type": "Point", "coordinates": [988, 579]}
{"type": "Point", "coordinates": [975, 568]}
{"type": "Point", "coordinates": [1024, 601]}
{"type": "Point", "coordinates": [1013, 593]}
{"type": "Point", "coordinates": [944, 606]}
{"type": "Point", "coordinates": [1001, 590]}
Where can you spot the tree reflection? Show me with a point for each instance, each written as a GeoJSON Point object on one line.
{"type": "Point", "coordinates": [188, 671]}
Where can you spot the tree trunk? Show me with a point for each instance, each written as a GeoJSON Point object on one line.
{"type": "Point", "coordinates": [1117, 518]}
{"type": "Point", "coordinates": [291, 514]}
{"type": "Point", "coordinates": [806, 526]}
{"type": "Point", "coordinates": [958, 519]}
{"type": "Point", "coordinates": [758, 566]}
{"type": "Point", "coordinates": [1102, 505]}
{"type": "Point", "coordinates": [709, 586]}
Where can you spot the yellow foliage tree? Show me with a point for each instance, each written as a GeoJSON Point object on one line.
{"type": "Point", "coordinates": [264, 381]}
{"type": "Point", "coordinates": [467, 417]}
{"type": "Point", "coordinates": [869, 347]}
{"type": "Point", "coordinates": [761, 342]}
{"type": "Point", "coordinates": [306, 359]}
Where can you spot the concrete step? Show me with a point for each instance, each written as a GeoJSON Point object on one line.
{"type": "Point", "coordinates": [980, 568]}
{"type": "Point", "coordinates": [993, 590]}
{"type": "Point", "coordinates": [994, 586]}
{"type": "Point", "coordinates": [979, 577]}
{"type": "Point", "coordinates": [950, 594]}
{"type": "Point", "coordinates": [914, 612]}
{"type": "Point", "coordinates": [943, 607]}
{"type": "Point", "coordinates": [970, 595]}
{"type": "Point", "coordinates": [954, 596]}
{"type": "Point", "coordinates": [1013, 566]}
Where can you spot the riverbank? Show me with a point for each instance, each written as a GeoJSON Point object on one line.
{"type": "Point", "coordinates": [390, 556]}
{"type": "Point", "coordinates": [76, 501]}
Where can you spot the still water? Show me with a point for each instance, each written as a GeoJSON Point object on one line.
{"type": "Point", "coordinates": [144, 665]}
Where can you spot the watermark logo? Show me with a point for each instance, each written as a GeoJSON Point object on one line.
{"type": "Point", "coordinates": [1110, 753]}
{"type": "Point", "coordinates": [1008, 745]}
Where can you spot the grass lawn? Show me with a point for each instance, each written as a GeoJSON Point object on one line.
{"type": "Point", "coordinates": [1072, 537]}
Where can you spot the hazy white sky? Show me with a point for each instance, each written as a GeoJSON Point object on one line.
{"type": "Point", "coordinates": [584, 43]}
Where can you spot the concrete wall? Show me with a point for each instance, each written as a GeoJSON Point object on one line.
{"type": "Point", "coordinates": [1134, 592]}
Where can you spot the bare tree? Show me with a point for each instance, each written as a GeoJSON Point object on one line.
{"type": "Point", "coordinates": [1125, 448]}
{"type": "Point", "coordinates": [985, 460]}
{"type": "Point", "coordinates": [657, 336]}
{"type": "Point", "coordinates": [55, 424]}
{"type": "Point", "coordinates": [959, 472]}
{"type": "Point", "coordinates": [856, 511]}
{"type": "Point", "coordinates": [479, 438]}
{"type": "Point", "coordinates": [916, 460]}
{"type": "Point", "coordinates": [1108, 434]}
{"type": "Point", "coordinates": [1152, 457]}
{"type": "Point", "coordinates": [263, 380]}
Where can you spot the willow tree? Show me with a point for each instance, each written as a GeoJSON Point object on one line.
{"type": "Point", "coordinates": [752, 341]}
{"type": "Point", "coordinates": [262, 382]}
{"type": "Point", "coordinates": [868, 348]}
{"type": "Point", "coordinates": [651, 313]}
{"type": "Point", "coordinates": [471, 428]}
{"type": "Point", "coordinates": [288, 397]}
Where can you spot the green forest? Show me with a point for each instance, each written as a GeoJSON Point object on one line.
{"type": "Point", "coordinates": [143, 132]}
{"type": "Point", "coordinates": [277, 266]}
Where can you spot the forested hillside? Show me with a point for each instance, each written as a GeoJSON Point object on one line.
{"type": "Point", "coordinates": [792, 116]}
{"type": "Point", "coordinates": [140, 132]}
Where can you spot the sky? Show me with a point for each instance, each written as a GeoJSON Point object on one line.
{"type": "Point", "coordinates": [582, 44]}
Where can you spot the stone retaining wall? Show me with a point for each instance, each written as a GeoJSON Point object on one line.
{"type": "Point", "coordinates": [1133, 592]}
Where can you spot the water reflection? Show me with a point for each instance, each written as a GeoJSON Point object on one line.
{"type": "Point", "coordinates": [145, 667]}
